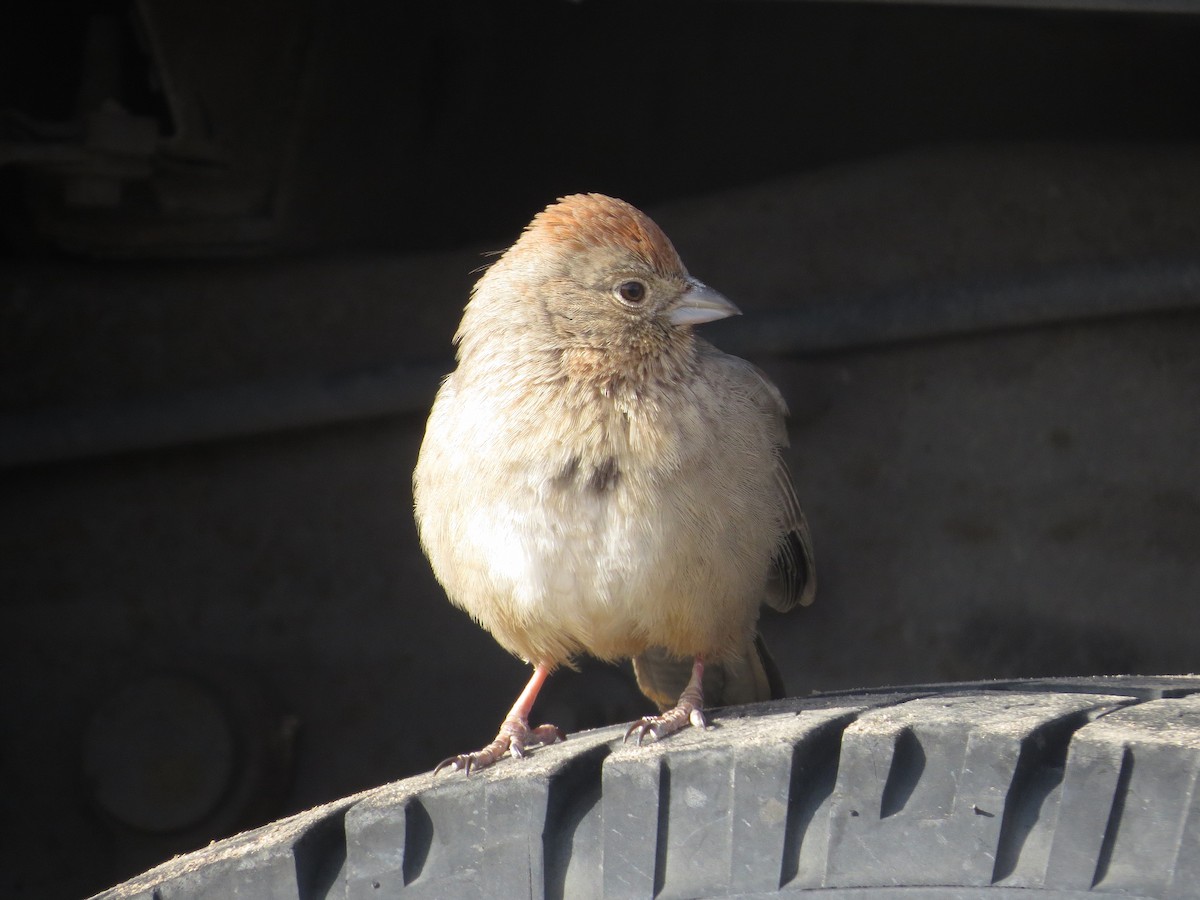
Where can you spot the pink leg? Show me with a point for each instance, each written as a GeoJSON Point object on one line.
{"type": "Point", "coordinates": [514, 735]}
{"type": "Point", "coordinates": [688, 711]}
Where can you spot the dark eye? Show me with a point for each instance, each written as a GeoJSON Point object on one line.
{"type": "Point", "coordinates": [633, 292]}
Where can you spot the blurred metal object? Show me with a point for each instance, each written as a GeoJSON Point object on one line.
{"type": "Point", "coordinates": [171, 757]}
{"type": "Point", "coordinates": [160, 754]}
{"type": "Point", "coordinates": [197, 172]}
{"type": "Point", "coordinates": [1109, 6]}
{"type": "Point", "coordinates": [1055, 295]}
{"type": "Point", "coordinates": [1060, 294]}
{"type": "Point", "coordinates": [55, 435]}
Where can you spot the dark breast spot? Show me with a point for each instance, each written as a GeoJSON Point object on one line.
{"type": "Point", "coordinates": [604, 477]}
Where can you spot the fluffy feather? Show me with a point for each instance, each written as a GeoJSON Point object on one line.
{"type": "Point", "coordinates": [595, 479]}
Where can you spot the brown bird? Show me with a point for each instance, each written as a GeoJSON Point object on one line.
{"type": "Point", "coordinates": [597, 479]}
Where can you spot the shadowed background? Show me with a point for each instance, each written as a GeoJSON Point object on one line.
{"type": "Point", "coordinates": [236, 242]}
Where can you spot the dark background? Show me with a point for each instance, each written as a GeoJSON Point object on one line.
{"type": "Point", "coordinates": [237, 239]}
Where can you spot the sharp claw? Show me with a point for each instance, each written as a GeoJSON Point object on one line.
{"type": "Point", "coordinates": [643, 727]}
{"type": "Point", "coordinates": [455, 762]}
{"type": "Point", "coordinates": [513, 740]}
{"type": "Point", "coordinates": [655, 728]}
{"type": "Point", "coordinates": [464, 762]}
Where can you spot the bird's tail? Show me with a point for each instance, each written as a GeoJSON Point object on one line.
{"type": "Point", "coordinates": [749, 678]}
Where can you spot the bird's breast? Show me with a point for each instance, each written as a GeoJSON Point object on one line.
{"type": "Point", "coordinates": [604, 527]}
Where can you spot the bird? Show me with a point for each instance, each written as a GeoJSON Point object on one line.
{"type": "Point", "coordinates": [597, 479]}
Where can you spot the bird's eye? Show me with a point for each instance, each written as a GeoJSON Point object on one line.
{"type": "Point", "coordinates": [632, 292]}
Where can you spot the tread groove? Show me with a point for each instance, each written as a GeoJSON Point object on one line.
{"type": "Point", "coordinates": [813, 777]}
{"type": "Point", "coordinates": [662, 834]}
{"type": "Point", "coordinates": [320, 857]}
{"type": "Point", "coordinates": [908, 765]}
{"type": "Point", "coordinates": [418, 838]}
{"type": "Point", "coordinates": [575, 793]}
{"type": "Point", "coordinates": [1041, 766]}
{"type": "Point", "coordinates": [1114, 817]}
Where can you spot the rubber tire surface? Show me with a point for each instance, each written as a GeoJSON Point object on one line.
{"type": "Point", "coordinates": [1054, 787]}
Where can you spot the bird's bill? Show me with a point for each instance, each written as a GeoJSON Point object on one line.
{"type": "Point", "coordinates": [699, 304]}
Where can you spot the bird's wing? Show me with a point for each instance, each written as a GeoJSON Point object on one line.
{"type": "Point", "coordinates": [793, 578]}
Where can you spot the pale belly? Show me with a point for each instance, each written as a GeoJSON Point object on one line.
{"type": "Point", "coordinates": [580, 574]}
{"type": "Point", "coordinates": [584, 573]}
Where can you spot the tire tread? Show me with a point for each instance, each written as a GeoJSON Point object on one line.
{"type": "Point", "coordinates": [1062, 787]}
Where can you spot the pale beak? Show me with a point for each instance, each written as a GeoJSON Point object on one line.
{"type": "Point", "coordinates": [699, 304]}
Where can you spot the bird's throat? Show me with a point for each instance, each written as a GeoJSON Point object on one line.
{"type": "Point", "coordinates": [629, 368]}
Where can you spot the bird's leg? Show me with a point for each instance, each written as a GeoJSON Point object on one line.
{"type": "Point", "coordinates": [514, 735]}
{"type": "Point", "coordinates": [688, 711]}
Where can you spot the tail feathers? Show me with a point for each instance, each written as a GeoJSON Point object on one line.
{"type": "Point", "coordinates": [750, 678]}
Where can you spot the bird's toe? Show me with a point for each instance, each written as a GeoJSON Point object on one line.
{"type": "Point", "coordinates": [655, 728]}
{"type": "Point", "coordinates": [514, 739]}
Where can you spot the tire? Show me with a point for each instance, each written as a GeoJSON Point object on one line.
{"type": "Point", "coordinates": [1052, 787]}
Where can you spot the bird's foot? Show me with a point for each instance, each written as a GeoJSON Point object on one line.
{"type": "Point", "coordinates": [688, 711]}
{"type": "Point", "coordinates": [677, 718]}
{"type": "Point", "coordinates": [514, 738]}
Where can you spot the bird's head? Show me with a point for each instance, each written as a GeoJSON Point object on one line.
{"type": "Point", "coordinates": [606, 282]}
